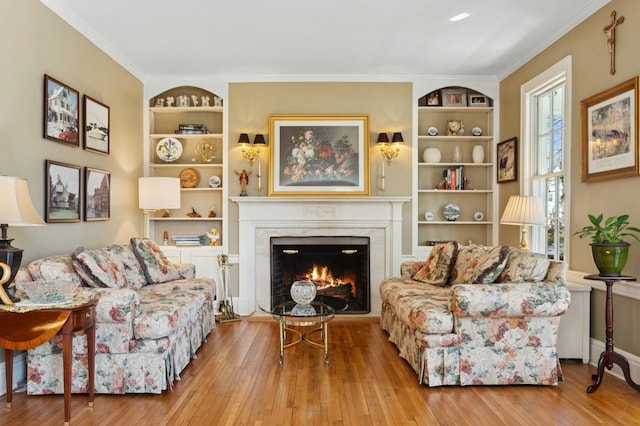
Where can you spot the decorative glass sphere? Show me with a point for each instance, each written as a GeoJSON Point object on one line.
{"type": "Point", "coordinates": [303, 292]}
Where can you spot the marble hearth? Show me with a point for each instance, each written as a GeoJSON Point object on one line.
{"type": "Point", "coordinates": [260, 218]}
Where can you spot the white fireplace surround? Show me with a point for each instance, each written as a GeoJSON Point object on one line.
{"type": "Point", "coordinates": [260, 218]}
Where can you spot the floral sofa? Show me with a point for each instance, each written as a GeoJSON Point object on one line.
{"type": "Point", "coordinates": [151, 318]}
{"type": "Point", "coordinates": [478, 315]}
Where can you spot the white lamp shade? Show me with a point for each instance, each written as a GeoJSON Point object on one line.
{"type": "Point", "coordinates": [523, 210]}
{"type": "Point", "coordinates": [158, 193]}
{"type": "Point", "coordinates": [16, 207]}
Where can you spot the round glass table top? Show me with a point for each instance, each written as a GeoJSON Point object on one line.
{"type": "Point", "coordinates": [284, 305]}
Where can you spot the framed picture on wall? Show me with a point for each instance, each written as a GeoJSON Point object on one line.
{"type": "Point", "coordinates": [97, 195]}
{"type": "Point", "coordinates": [477, 100]}
{"type": "Point", "coordinates": [60, 112]}
{"type": "Point", "coordinates": [63, 191]}
{"type": "Point", "coordinates": [507, 160]}
{"type": "Point", "coordinates": [96, 126]}
{"type": "Point", "coordinates": [319, 155]}
{"type": "Point", "coordinates": [610, 133]}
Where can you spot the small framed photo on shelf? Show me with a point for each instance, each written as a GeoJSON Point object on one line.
{"type": "Point", "coordinates": [97, 195]}
{"type": "Point", "coordinates": [61, 112]}
{"type": "Point", "coordinates": [434, 98]}
{"type": "Point", "coordinates": [478, 100]}
{"type": "Point", "coordinates": [96, 126]}
{"type": "Point", "coordinates": [507, 158]}
{"type": "Point", "coordinates": [454, 97]}
{"type": "Point", "coordinates": [63, 190]}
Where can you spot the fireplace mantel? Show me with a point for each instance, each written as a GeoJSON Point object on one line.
{"type": "Point", "coordinates": [261, 218]}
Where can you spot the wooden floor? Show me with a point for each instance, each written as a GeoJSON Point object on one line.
{"type": "Point", "coordinates": [236, 380]}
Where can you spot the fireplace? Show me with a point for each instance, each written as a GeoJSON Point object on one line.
{"type": "Point", "coordinates": [337, 265]}
{"type": "Point", "coordinates": [261, 218]}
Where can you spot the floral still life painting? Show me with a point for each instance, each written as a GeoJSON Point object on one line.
{"type": "Point", "coordinates": [319, 157]}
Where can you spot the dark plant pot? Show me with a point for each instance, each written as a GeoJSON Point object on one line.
{"type": "Point", "coordinates": [610, 258]}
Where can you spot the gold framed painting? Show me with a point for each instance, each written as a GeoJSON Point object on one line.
{"type": "Point", "coordinates": [319, 155]}
{"type": "Point", "coordinates": [610, 133]}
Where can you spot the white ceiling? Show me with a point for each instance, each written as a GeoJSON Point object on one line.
{"type": "Point", "coordinates": [252, 38]}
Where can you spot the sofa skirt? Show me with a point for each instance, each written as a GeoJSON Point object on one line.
{"type": "Point", "coordinates": [452, 359]}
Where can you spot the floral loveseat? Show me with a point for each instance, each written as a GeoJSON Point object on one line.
{"type": "Point", "coordinates": [477, 315]}
{"type": "Point", "coordinates": [151, 317]}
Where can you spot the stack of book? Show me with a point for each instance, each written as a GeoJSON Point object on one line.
{"type": "Point", "coordinates": [186, 129]}
{"type": "Point", "coordinates": [189, 240]}
{"type": "Point", "coordinates": [453, 178]}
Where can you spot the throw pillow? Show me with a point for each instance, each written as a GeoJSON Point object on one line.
{"type": "Point", "coordinates": [99, 268]}
{"type": "Point", "coordinates": [523, 266]}
{"type": "Point", "coordinates": [477, 264]}
{"type": "Point", "coordinates": [437, 268]}
{"type": "Point", "coordinates": [156, 267]}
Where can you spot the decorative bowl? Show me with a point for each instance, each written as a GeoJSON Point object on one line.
{"type": "Point", "coordinates": [49, 291]}
{"type": "Point", "coordinates": [303, 292]}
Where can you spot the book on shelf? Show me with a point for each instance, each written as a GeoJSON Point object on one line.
{"type": "Point", "coordinates": [453, 178]}
{"type": "Point", "coordinates": [189, 240]}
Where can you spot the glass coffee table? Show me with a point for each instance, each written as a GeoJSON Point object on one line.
{"type": "Point", "coordinates": [317, 314]}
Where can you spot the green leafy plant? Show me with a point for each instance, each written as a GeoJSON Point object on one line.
{"type": "Point", "coordinates": [614, 229]}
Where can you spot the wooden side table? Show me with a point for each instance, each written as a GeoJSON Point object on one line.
{"type": "Point", "coordinates": [610, 356]}
{"type": "Point", "coordinates": [26, 330]}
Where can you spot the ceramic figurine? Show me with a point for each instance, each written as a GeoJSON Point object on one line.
{"type": "Point", "coordinates": [244, 181]}
{"type": "Point", "coordinates": [170, 101]}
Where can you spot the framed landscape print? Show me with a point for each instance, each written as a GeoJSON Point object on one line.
{"type": "Point", "coordinates": [610, 133]}
{"type": "Point", "coordinates": [96, 126]}
{"type": "Point", "coordinates": [319, 155]}
{"type": "Point", "coordinates": [60, 112]}
{"type": "Point", "coordinates": [507, 160]}
{"type": "Point", "coordinates": [97, 195]}
{"type": "Point", "coordinates": [63, 191]}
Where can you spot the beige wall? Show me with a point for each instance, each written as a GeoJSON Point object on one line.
{"type": "Point", "coordinates": [590, 63]}
{"type": "Point", "coordinates": [35, 42]}
{"type": "Point", "coordinates": [388, 105]}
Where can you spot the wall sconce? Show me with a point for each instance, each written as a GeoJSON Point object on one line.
{"type": "Point", "coordinates": [251, 151]}
{"type": "Point", "coordinates": [390, 150]}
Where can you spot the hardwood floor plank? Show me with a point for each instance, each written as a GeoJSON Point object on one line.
{"type": "Point", "coordinates": [236, 380]}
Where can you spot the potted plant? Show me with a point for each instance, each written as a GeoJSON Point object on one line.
{"type": "Point", "coordinates": [608, 247]}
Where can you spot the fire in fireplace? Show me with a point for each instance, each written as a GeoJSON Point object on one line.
{"type": "Point", "coordinates": [338, 266]}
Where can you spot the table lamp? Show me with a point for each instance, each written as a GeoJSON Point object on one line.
{"type": "Point", "coordinates": [523, 210]}
{"type": "Point", "coordinates": [156, 193]}
{"type": "Point", "coordinates": [16, 209]}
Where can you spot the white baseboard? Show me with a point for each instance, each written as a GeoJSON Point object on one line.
{"type": "Point", "coordinates": [19, 371]}
{"type": "Point", "coordinates": [597, 347]}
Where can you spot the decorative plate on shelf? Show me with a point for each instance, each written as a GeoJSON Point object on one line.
{"type": "Point", "coordinates": [169, 149]}
{"type": "Point", "coordinates": [476, 131]}
{"type": "Point", "coordinates": [428, 216]}
{"type": "Point", "coordinates": [432, 131]}
{"type": "Point", "coordinates": [451, 212]}
{"type": "Point", "coordinates": [478, 216]}
{"type": "Point", "coordinates": [214, 181]}
{"type": "Point", "coordinates": [189, 178]}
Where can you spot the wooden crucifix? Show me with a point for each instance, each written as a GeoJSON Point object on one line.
{"type": "Point", "coordinates": [610, 33]}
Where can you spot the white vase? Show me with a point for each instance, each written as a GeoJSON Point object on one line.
{"type": "Point", "coordinates": [431, 155]}
{"type": "Point", "coordinates": [477, 154]}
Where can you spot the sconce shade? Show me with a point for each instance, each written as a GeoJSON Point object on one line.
{"type": "Point", "coordinates": [397, 137]}
{"type": "Point", "coordinates": [523, 210]}
{"type": "Point", "coordinates": [158, 193]}
{"type": "Point", "coordinates": [383, 138]}
{"type": "Point", "coordinates": [16, 207]}
{"type": "Point", "coordinates": [259, 139]}
{"type": "Point", "coordinates": [244, 138]}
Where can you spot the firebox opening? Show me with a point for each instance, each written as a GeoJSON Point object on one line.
{"type": "Point", "coordinates": [338, 266]}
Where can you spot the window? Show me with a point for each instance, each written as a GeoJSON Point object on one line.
{"type": "Point", "coordinates": [546, 151]}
